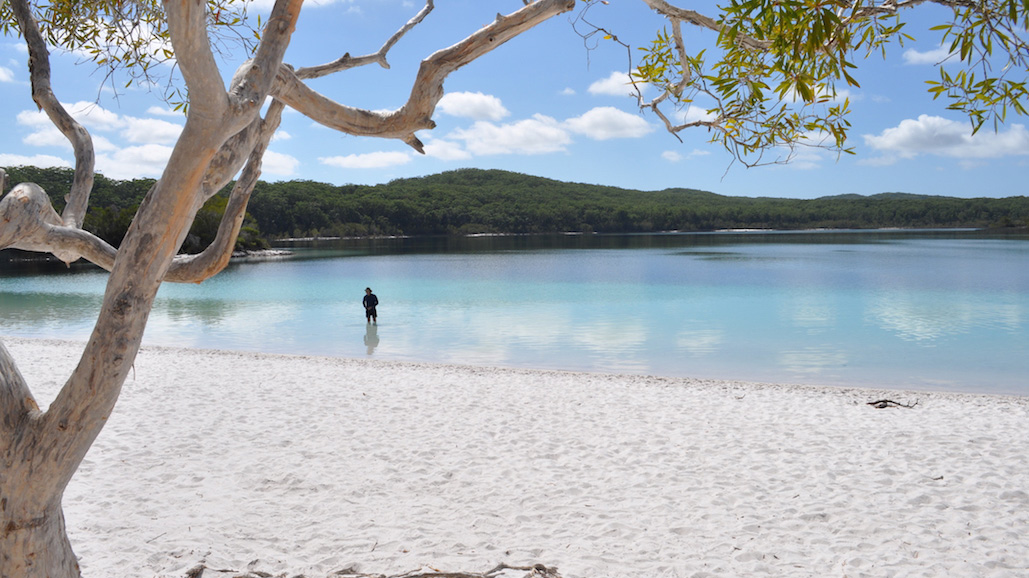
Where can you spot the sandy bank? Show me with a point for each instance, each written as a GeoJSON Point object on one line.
{"type": "Point", "coordinates": [309, 465]}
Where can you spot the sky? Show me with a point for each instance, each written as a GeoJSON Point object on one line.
{"type": "Point", "coordinates": [553, 102]}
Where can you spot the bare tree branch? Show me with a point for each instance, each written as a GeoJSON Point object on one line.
{"type": "Point", "coordinates": [253, 80]}
{"type": "Point", "coordinates": [32, 224]}
{"type": "Point", "coordinates": [43, 95]}
{"type": "Point", "coordinates": [697, 19]}
{"type": "Point", "coordinates": [187, 27]}
{"type": "Point", "coordinates": [230, 158]}
{"type": "Point", "coordinates": [677, 90]}
{"type": "Point", "coordinates": [346, 61]}
{"type": "Point", "coordinates": [196, 268]}
{"type": "Point", "coordinates": [416, 114]}
{"type": "Point", "coordinates": [16, 401]}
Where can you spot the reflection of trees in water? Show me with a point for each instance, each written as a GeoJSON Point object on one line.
{"type": "Point", "coordinates": [14, 262]}
{"type": "Point", "coordinates": [41, 308]}
{"type": "Point", "coordinates": [208, 311]}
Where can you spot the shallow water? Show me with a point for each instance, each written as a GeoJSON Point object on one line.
{"type": "Point", "coordinates": [945, 310]}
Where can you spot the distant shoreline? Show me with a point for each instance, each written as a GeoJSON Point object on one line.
{"type": "Point", "coordinates": [21, 257]}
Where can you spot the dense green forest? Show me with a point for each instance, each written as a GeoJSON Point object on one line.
{"type": "Point", "coordinates": [471, 201]}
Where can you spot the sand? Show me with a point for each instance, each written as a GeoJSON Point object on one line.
{"type": "Point", "coordinates": [304, 465]}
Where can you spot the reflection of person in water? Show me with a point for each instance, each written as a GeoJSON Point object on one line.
{"type": "Point", "coordinates": [371, 337]}
{"type": "Point", "coordinates": [370, 301]}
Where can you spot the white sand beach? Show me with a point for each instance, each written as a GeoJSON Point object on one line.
{"type": "Point", "coordinates": [305, 465]}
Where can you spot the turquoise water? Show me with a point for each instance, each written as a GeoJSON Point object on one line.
{"type": "Point", "coordinates": [928, 310]}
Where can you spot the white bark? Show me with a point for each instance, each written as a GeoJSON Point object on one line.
{"type": "Point", "coordinates": [427, 89]}
{"type": "Point", "coordinates": [40, 451]}
{"type": "Point", "coordinates": [77, 135]}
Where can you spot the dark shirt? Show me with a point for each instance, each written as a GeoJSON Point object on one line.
{"type": "Point", "coordinates": [370, 301]}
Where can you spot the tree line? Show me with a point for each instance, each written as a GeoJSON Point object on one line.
{"type": "Point", "coordinates": [474, 201]}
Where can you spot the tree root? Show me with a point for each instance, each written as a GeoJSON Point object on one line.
{"type": "Point", "coordinates": [534, 571]}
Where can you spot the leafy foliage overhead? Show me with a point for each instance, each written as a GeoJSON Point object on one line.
{"type": "Point", "coordinates": [777, 67]}
{"type": "Point", "coordinates": [131, 38]}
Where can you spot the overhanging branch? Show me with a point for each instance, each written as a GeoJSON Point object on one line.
{"type": "Point", "coordinates": [196, 268]}
{"type": "Point", "coordinates": [346, 61]}
{"type": "Point", "coordinates": [417, 113]}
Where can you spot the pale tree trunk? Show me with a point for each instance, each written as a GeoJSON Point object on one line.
{"type": "Point", "coordinates": [40, 451]}
{"type": "Point", "coordinates": [21, 548]}
{"type": "Point", "coordinates": [33, 541]}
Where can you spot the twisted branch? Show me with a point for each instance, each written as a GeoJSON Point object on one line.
{"type": "Point", "coordinates": [346, 61]}
{"type": "Point", "coordinates": [16, 401]}
{"type": "Point", "coordinates": [196, 268]}
{"type": "Point", "coordinates": [43, 95]}
{"type": "Point", "coordinates": [416, 114]}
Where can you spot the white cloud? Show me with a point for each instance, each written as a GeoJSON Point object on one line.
{"type": "Point", "coordinates": [281, 135]}
{"type": "Point", "coordinates": [808, 154]}
{"type": "Point", "coordinates": [606, 122]}
{"type": "Point", "coordinates": [695, 114]}
{"type": "Point", "coordinates": [616, 84]}
{"type": "Point", "coordinates": [938, 136]}
{"type": "Point", "coordinates": [567, 92]}
{"type": "Point", "coordinates": [538, 135]}
{"type": "Point", "coordinates": [279, 164]}
{"type": "Point", "coordinates": [33, 118]}
{"type": "Point", "coordinates": [676, 156]}
{"type": "Point", "coordinates": [113, 160]}
{"type": "Point", "coordinates": [134, 162]}
{"type": "Point", "coordinates": [446, 151]}
{"type": "Point", "coordinates": [6, 74]}
{"type": "Point", "coordinates": [806, 159]}
{"type": "Point", "coordinates": [51, 136]}
{"type": "Point", "coordinates": [931, 57]}
{"type": "Point", "coordinates": [41, 161]}
{"type": "Point", "coordinates": [94, 116]}
{"type": "Point", "coordinates": [473, 105]}
{"type": "Point", "coordinates": [101, 144]}
{"type": "Point", "coordinates": [376, 160]}
{"type": "Point", "coordinates": [150, 131]}
{"type": "Point", "coordinates": [47, 136]}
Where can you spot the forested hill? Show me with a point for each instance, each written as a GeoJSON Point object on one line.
{"type": "Point", "coordinates": [492, 201]}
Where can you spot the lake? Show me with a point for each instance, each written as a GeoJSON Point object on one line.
{"type": "Point", "coordinates": [941, 310]}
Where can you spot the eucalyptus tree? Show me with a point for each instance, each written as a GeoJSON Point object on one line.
{"type": "Point", "coordinates": [772, 81]}
{"type": "Point", "coordinates": [224, 133]}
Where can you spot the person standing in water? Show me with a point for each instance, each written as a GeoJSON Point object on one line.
{"type": "Point", "coordinates": [370, 301]}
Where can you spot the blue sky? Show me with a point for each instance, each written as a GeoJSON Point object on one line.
{"type": "Point", "coordinates": [543, 104]}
